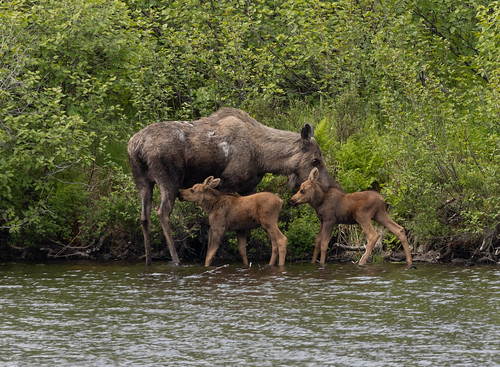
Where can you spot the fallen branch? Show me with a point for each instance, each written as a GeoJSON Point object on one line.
{"type": "Point", "coordinates": [214, 270]}
{"type": "Point", "coordinates": [349, 248]}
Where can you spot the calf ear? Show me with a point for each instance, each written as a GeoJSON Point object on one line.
{"type": "Point", "coordinates": [214, 183]}
{"type": "Point", "coordinates": [314, 175]}
{"type": "Point", "coordinates": [208, 181]}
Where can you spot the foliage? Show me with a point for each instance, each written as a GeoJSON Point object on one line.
{"type": "Point", "coordinates": [64, 95]}
{"type": "Point", "coordinates": [301, 233]}
{"type": "Point", "coordinates": [362, 162]}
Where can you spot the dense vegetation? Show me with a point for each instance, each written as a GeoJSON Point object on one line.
{"type": "Point", "coordinates": [404, 97]}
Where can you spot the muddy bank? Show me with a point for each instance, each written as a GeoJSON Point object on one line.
{"type": "Point", "coordinates": [459, 249]}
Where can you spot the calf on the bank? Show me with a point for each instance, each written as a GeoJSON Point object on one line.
{"type": "Point", "coordinates": [239, 213]}
{"type": "Point", "coordinates": [335, 206]}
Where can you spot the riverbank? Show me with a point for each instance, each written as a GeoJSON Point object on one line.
{"type": "Point", "coordinates": [455, 250]}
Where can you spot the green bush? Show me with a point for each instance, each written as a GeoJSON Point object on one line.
{"type": "Point", "coordinates": [301, 233]}
{"type": "Point", "coordinates": [362, 162]}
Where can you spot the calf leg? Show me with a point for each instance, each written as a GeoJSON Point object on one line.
{"type": "Point", "coordinates": [278, 243]}
{"type": "Point", "coordinates": [214, 237]}
{"type": "Point", "coordinates": [317, 243]}
{"type": "Point", "coordinates": [242, 246]}
{"type": "Point", "coordinates": [322, 240]}
{"type": "Point", "coordinates": [371, 236]}
{"type": "Point", "coordinates": [274, 250]}
{"type": "Point", "coordinates": [282, 243]}
{"type": "Point", "coordinates": [385, 220]}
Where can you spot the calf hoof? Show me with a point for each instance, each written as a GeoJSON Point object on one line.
{"type": "Point", "coordinates": [321, 266]}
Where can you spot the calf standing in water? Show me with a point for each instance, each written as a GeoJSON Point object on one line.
{"type": "Point", "coordinates": [334, 206]}
{"type": "Point", "coordinates": [238, 213]}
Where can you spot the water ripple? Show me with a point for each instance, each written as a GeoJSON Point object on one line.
{"type": "Point", "coordinates": [84, 314]}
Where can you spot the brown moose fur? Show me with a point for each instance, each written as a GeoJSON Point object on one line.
{"type": "Point", "coordinates": [228, 144]}
{"type": "Point", "coordinates": [238, 213]}
{"type": "Point", "coordinates": [334, 206]}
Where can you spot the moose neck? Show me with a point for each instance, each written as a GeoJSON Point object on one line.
{"type": "Point", "coordinates": [211, 198]}
{"type": "Point", "coordinates": [278, 150]}
{"type": "Point", "coordinates": [318, 198]}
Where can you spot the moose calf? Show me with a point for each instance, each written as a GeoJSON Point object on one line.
{"type": "Point", "coordinates": [334, 206]}
{"type": "Point", "coordinates": [238, 213]}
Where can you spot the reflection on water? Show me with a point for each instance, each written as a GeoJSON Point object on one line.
{"type": "Point", "coordinates": [304, 315]}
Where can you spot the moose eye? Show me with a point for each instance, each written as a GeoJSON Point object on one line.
{"type": "Point", "coordinates": [192, 190]}
{"type": "Point", "coordinates": [302, 191]}
{"type": "Point", "coordinates": [315, 162]}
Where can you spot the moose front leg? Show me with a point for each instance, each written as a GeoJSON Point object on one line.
{"type": "Point", "coordinates": [214, 238]}
{"type": "Point", "coordinates": [371, 237]}
{"type": "Point", "coordinates": [322, 240]}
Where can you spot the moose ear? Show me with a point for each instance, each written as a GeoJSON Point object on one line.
{"type": "Point", "coordinates": [307, 131]}
{"type": "Point", "coordinates": [214, 183]}
{"type": "Point", "coordinates": [314, 175]}
{"type": "Point", "coordinates": [208, 181]}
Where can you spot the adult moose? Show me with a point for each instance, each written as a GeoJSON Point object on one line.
{"type": "Point", "coordinates": [334, 206]}
{"type": "Point", "coordinates": [228, 144]}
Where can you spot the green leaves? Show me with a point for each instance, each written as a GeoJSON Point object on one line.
{"type": "Point", "coordinates": [63, 82]}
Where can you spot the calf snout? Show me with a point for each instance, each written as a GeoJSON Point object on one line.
{"type": "Point", "coordinates": [186, 195]}
{"type": "Point", "coordinates": [293, 202]}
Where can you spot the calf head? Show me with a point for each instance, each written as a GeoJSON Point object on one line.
{"type": "Point", "coordinates": [199, 192]}
{"type": "Point", "coordinates": [308, 189]}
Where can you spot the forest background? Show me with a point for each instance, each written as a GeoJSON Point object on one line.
{"type": "Point", "coordinates": [404, 97]}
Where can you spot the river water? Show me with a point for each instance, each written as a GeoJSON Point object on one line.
{"type": "Point", "coordinates": [124, 314]}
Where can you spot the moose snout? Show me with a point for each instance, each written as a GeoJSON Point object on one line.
{"type": "Point", "coordinates": [293, 181]}
{"type": "Point", "coordinates": [293, 201]}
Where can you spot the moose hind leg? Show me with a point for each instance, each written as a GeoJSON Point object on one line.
{"type": "Point", "coordinates": [282, 243]}
{"type": "Point", "coordinates": [242, 246]}
{"type": "Point", "coordinates": [146, 193]}
{"type": "Point", "coordinates": [274, 253]}
{"type": "Point", "coordinates": [278, 241]}
{"type": "Point", "coordinates": [372, 237]}
{"type": "Point", "coordinates": [166, 206]}
{"type": "Point", "coordinates": [399, 231]}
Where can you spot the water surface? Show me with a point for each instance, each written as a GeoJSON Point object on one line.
{"type": "Point", "coordinates": [124, 314]}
